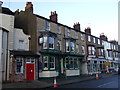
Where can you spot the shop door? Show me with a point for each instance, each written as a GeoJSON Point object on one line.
{"type": "Point", "coordinates": [30, 71]}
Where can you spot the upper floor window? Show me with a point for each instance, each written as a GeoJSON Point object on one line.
{"type": "Point", "coordinates": [19, 65]}
{"type": "Point", "coordinates": [82, 36]}
{"type": "Point", "coordinates": [76, 34]}
{"type": "Point", "coordinates": [47, 25]}
{"type": "Point", "coordinates": [45, 42]}
{"type": "Point", "coordinates": [68, 32]}
{"type": "Point", "coordinates": [109, 53]}
{"type": "Point", "coordinates": [98, 41]}
{"type": "Point", "coordinates": [94, 40]}
{"type": "Point", "coordinates": [91, 50]}
{"type": "Point", "coordinates": [20, 44]}
{"type": "Point", "coordinates": [58, 29]}
{"type": "Point", "coordinates": [89, 38]}
{"type": "Point", "coordinates": [51, 43]}
{"type": "Point", "coordinates": [59, 44]}
{"type": "Point", "coordinates": [77, 48]}
{"type": "Point", "coordinates": [72, 45]}
{"type": "Point", "coordinates": [83, 50]}
{"type": "Point", "coordinates": [100, 52]}
{"type": "Point", "coordinates": [67, 46]}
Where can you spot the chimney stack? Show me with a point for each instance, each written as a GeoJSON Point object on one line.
{"type": "Point", "coordinates": [54, 16]}
{"type": "Point", "coordinates": [29, 7]}
{"type": "Point", "coordinates": [103, 37]}
{"type": "Point", "coordinates": [76, 26]}
{"type": "Point", "coordinates": [88, 30]}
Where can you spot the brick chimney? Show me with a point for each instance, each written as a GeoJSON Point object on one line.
{"type": "Point", "coordinates": [29, 7]}
{"type": "Point", "coordinates": [76, 26]}
{"type": "Point", "coordinates": [88, 30]}
{"type": "Point", "coordinates": [103, 37]}
{"type": "Point", "coordinates": [54, 16]}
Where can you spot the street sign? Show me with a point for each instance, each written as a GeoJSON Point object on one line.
{"type": "Point", "coordinates": [107, 63]}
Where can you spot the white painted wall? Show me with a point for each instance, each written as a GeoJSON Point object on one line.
{"type": "Point", "coordinates": [72, 72]}
{"type": "Point", "coordinates": [15, 36]}
{"type": "Point", "coordinates": [0, 56]}
{"type": "Point", "coordinates": [48, 74]}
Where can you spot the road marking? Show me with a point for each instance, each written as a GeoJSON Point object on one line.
{"type": "Point", "coordinates": [104, 84]}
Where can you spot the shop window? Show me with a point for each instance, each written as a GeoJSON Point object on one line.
{"type": "Point", "coordinates": [52, 62]}
{"type": "Point", "coordinates": [51, 43]}
{"type": "Point", "coordinates": [45, 65]}
{"type": "Point", "coordinates": [19, 65]}
{"type": "Point", "coordinates": [71, 63]}
{"type": "Point", "coordinates": [76, 63]}
{"type": "Point", "coordinates": [47, 25]}
{"type": "Point", "coordinates": [67, 63]}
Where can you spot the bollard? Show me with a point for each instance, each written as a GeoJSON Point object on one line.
{"type": "Point", "coordinates": [55, 84]}
{"type": "Point", "coordinates": [97, 76]}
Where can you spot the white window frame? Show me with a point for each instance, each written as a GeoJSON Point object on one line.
{"type": "Point", "coordinates": [58, 29]}
{"type": "Point", "coordinates": [47, 25]}
{"type": "Point", "coordinates": [89, 38]}
{"type": "Point", "coordinates": [72, 46]}
{"type": "Point", "coordinates": [98, 41]}
{"type": "Point", "coordinates": [20, 44]}
{"type": "Point", "coordinates": [94, 40]}
{"type": "Point", "coordinates": [51, 41]}
{"type": "Point", "coordinates": [19, 59]}
{"type": "Point", "coordinates": [83, 49]}
{"type": "Point", "coordinates": [77, 48]}
{"type": "Point", "coordinates": [82, 36]}
{"type": "Point", "coordinates": [45, 42]}
{"type": "Point", "coordinates": [68, 32]}
{"type": "Point", "coordinates": [45, 68]}
{"type": "Point", "coordinates": [67, 46]}
{"type": "Point", "coordinates": [59, 44]}
{"type": "Point", "coordinates": [31, 60]}
{"type": "Point", "coordinates": [53, 58]}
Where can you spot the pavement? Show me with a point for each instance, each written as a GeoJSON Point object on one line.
{"type": "Point", "coordinates": [47, 83]}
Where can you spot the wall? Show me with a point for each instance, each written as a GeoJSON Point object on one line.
{"type": "Point", "coordinates": [48, 74]}
{"type": "Point", "coordinates": [15, 36]}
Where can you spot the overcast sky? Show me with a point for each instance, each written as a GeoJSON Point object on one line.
{"type": "Point", "coordinates": [100, 15]}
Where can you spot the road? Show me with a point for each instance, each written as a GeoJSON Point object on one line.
{"type": "Point", "coordinates": [108, 82]}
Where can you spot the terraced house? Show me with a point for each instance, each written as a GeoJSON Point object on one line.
{"type": "Point", "coordinates": [44, 48]}
{"type": "Point", "coordinates": [62, 49]}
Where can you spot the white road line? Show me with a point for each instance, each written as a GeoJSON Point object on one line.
{"type": "Point", "coordinates": [104, 84]}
